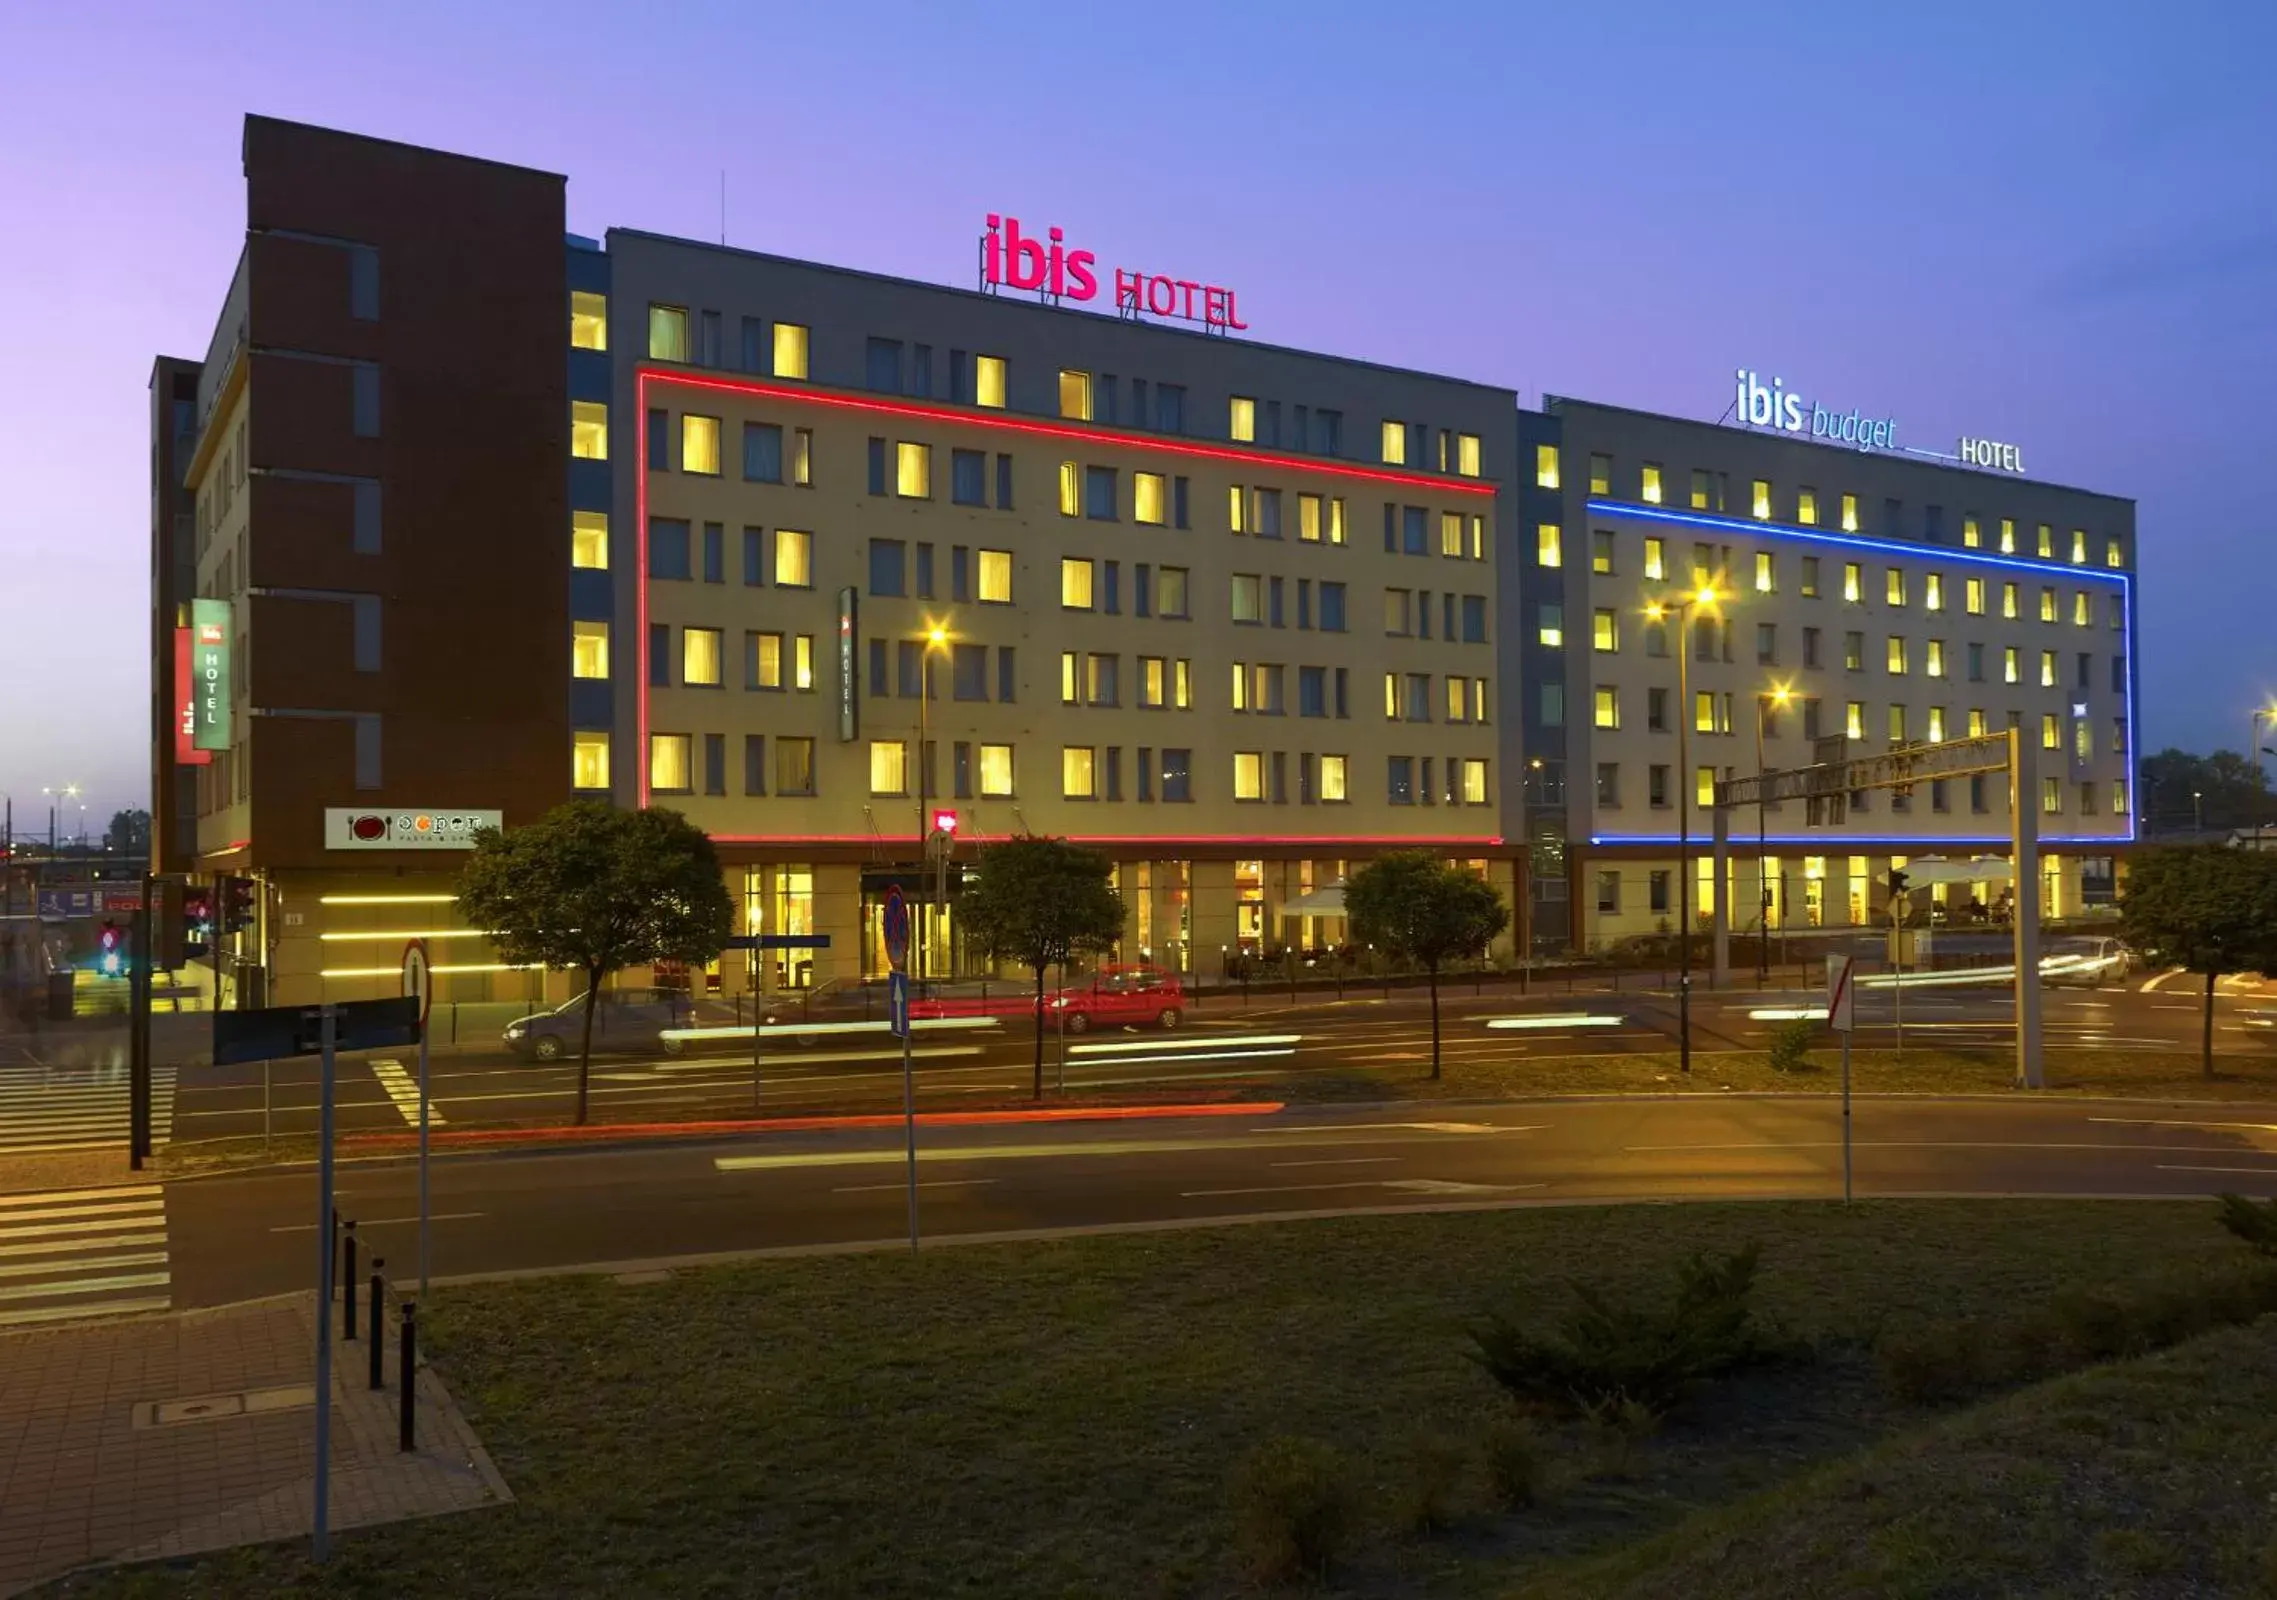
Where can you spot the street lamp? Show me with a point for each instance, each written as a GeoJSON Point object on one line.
{"type": "Point", "coordinates": [1526, 879]}
{"type": "Point", "coordinates": [1766, 701]}
{"type": "Point", "coordinates": [1704, 598]}
{"type": "Point", "coordinates": [934, 639]}
{"type": "Point", "coordinates": [61, 791]}
{"type": "Point", "coordinates": [2254, 752]}
{"type": "Point", "coordinates": [2197, 811]}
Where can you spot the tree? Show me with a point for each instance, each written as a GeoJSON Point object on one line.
{"type": "Point", "coordinates": [129, 833]}
{"type": "Point", "coordinates": [1423, 908]}
{"type": "Point", "coordinates": [1041, 902]}
{"type": "Point", "coordinates": [2229, 790]}
{"type": "Point", "coordinates": [2205, 908]}
{"type": "Point", "coordinates": [588, 888]}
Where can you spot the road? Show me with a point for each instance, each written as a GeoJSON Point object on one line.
{"type": "Point", "coordinates": [1265, 1040]}
{"type": "Point", "coordinates": [252, 1234]}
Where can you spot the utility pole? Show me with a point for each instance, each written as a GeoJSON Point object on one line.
{"type": "Point", "coordinates": [1705, 596]}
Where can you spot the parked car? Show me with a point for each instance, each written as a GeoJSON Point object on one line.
{"type": "Point", "coordinates": [623, 1019]}
{"type": "Point", "coordinates": [2100, 962]}
{"type": "Point", "coordinates": [1123, 996]}
{"type": "Point", "coordinates": [838, 1001]}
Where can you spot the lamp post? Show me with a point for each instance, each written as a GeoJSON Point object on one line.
{"type": "Point", "coordinates": [1766, 700]}
{"type": "Point", "coordinates": [1526, 877]}
{"type": "Point", "coordinates": [2254, 751]}
{"type": "Point", "coordinates": [933, 639]}
{"type": "Point", "coordinates": [1683, 605]}
{"type": "Point", "coordinates": [65, 792]}
{"type": "Point", "coordinates": [2197, 811]}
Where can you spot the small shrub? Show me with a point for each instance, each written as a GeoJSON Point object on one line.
{"type": "Point", "coordinates": [1514, 1463]}
{"type": "Point", "coordinates": [1294, 1508]}
{"type": "Point", "coordinates": [2255, 1223]}
{"type": "Point", "coordinates": [1931, 1363]}
{"type": "Point", "coordinates": [1432, 1490]}
{"type": "Point", "coordinates": [2095, 1325]}
{"type": "Point", "coordinates": [1791, 1045]}
{"type": "Point", "coordinates": [1605, 1357]}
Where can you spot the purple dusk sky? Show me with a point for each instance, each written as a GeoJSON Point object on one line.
{"type": "Point", "coordinates": [2047, 224]}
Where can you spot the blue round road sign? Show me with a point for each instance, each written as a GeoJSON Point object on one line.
{"type": "Point", "coordinates": [896, 927]}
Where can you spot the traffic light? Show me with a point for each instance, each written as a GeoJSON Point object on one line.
{"type": "Point", "coordinates": [110, 957]}
{"type": "Point", "coordinates": [197, 920]}
{"type": "Point", "coordinates": [1898, 878]}
{"type": "Point", "coordinates": [236, 904]}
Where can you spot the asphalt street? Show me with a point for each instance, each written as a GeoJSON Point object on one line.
{"type": "Point", "coordinates": [253, 1234]}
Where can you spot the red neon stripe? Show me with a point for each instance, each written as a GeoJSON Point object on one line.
{"type": "Point", "coordinates": [1052, 430]}
{"type": "Point", "coordinates": [934, 1119]}
{"type": "Point", "coordinates": [1415, 839]}
{"type": "Point", "coordinates": [640, 583]}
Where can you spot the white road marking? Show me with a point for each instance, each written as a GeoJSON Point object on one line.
{"type": "Point", "coordinates": [1340, 1161]}
{"type": "Point", "coordinates": [1451, 1186]}
{"type": "Point", "coordinates": [1401, 1127]}
{"type": "Point", "coordinates": [1279, 1188]}
{"type": "Point", "coordinates": [71, 1254]}
{"type": "Point", "coordinates": [403, 1089]}
{"type": "Point", "coordinates": [363, 1223]}
{"type": "Point", "coordinates": [2259, 1172]}
{"type": "Point", "coordinates": [898, 1188]}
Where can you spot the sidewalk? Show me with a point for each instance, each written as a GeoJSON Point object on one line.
{"type": "Point", "coordinates": [165, 1436]}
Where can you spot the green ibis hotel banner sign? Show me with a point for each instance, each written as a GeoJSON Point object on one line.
{"type": "Point", "coordinates": [209, 674]}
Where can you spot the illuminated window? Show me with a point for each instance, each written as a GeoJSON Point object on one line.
{"type": "Point", "coordinates": [1394, 442]}
{"type": "Point", "coordinates": [1248, 597]}
{"type": "Point", "coordinates": [1976, 724]}
{"type": "Point", "coordinates": [588, 430]}
{"type": "Point", "coordinates": [1458, 698]}
{"type": "Point", "coordinates": [1896, 656]}
{"type": "Point", "coordinates": [1700, 495]}
{"type": "Point", "coordinates": [2051, 731]}
{"type": "Point", "coordinates": [1451, 533]}
{"type": "Point", "coordinates": [802, 663]}
{"type": "Point", "coordinates": [913, 471]}
{"type": "Point", "coordinates": [1549, 545]}
{"type": "Point", "coordinates": [2008, 605]}
{"type": "Point", "coordinates": [1243, 424]}
{"type": "Point", "coordinates": [2118, 797]}
{"type": "Point", "coordinates": [2052, 796]}
{"type": "Point", "coordinates": [1655, 558]}
{"type": "Point", "coordinates": [1854, 719]}
{"type": "Point", "coordinates": [2011, 666]}
{"type": "Point", "coordinates": [1071, 677]}
{"type": "Point", "coordinates": [589, 649]}
{"type": "Point", "coordinates": [1607, 704]}
{"type": "Point", "coordinates": [1474, 781]}
{"type": "Point", "coordinates": [1936, 724]}
{"type": "Point", "coordinates": [1308, 518]}
{"type": "Point", "coordinates": [995, 771]}
{"type": "Point", "coordinates": [668, 767]}
{"type": "Point", "coordinates": [699, 657]}
{"type": "Point", "coordinates": [1546, 466]}
{"type": "Point", "coordinates": [1070, 489]}
{"type": "Point", "coordinates": [1762, 498]}
{"type": "Point", "coordinates": [1649, 489]}
{"type": "Point", "coordinates": [1853, 584]}
{"type": "Point", "coordinates": [1182, 684]}
{"type": "Point", "coordinates": [1810, 577]}
{"type": "Point", "coordinates": [802, 464]}
{"type": "Point", "coordinates": [1075, 395]}
{"type": "Point", "coordinates": [1849, 513]}
{"type": "Point", "coordinates": [2079, 545]}
{"type": "Point", "coordinates": [1766, 572]}
{"type": "Point", "coordinates": [588, 330]}
{"type": "Point", "coordinates": [1550, 623]}
{"type": "Point", "coordinates": [1248, 775]}
{"type": "Point", "coordinates": [1897, 724]}
{"type": "Point", "coordinates": [1605, 630]}
{"type": "Point", "coordinates": [763, 660]}
{"type": "Point", "coordinates": [667, 333]}
{"type": "Point", "coordinates": [1975, 597]}
{"type": "Point", "coordinates": [889, 766]}
{"type": "Point", "coordinates": [2047, 669]}
{"type": "Point", "coordinates": [1466, 455]}
{"type": "Point", "coordinates": [1936, 662]}
{"type": "Point", "coordinates": [1075, 583]}
{"type": "Point", "coordinates": [2047, 544]}
{"type": "Point", "coordinates": [589, 761]}
{"type": "Point", "coordinates": [1236, 509]}
{"type": "Point", "coordinates": [1894, 588]}
{"type": "Point", "coordinates": [1933, 591]}
{"type": "Point", "coordinates": [1332, 776]}
{"type": "Point", "coordinates": [1336, 520]}
{"type": "Point", "coordinates": [790, 350]}
{"type": "Point", "coordinates": [1703, 711]}
{"type": "Point", "coordinates": [699, 445]}
{"type": "Point", "coordinates": [2114, 555]}
{"type": "Point", "coordinates": [1972, 537]}
{"type": "Point", "coordinates": [988, 390]}
{"type": "Point", "coordinates": [1704, 794]}
{"type": "Point", "coordinates": [794, 559]}
{"type": "Point", "coordinates": [2082, 609]}
{"type": "Point", "coordinates": [794, 771]}
{"type": "Point", "coordinates": [2007, 536]}
{"type": "Point", "coordinates": [1600, 474]}
{"type": "Point", "coordinates": [2048, 608]}
{"type": "Point", "coordinates": [1148, 498]}
{"type": "Point", "coordinates": [1077, 772]}
{"type": "Point", "coordinates": [1806, 507]}
{"type": "Point", "coordinates": [589, 539]}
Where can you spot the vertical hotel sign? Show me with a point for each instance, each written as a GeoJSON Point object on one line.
{"type": "Point", "coordinates": [186, 751]}
{"type": "Point", "coordinates": [849, 670]}
{"type": "Point", "coordinates": [209, 675]}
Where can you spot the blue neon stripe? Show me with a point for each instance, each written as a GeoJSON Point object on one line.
{"type": "Point", "coordinates": [1932, 552]}
{"type": "Point", "coordinates": [1844, 844]}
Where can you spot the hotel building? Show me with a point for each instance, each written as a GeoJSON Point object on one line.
{"type": "Point", "coordinates": [1883, 596]}
{"type": "Point", "coordinates": [461, 517]}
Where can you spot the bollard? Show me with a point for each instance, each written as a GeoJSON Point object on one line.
{"type": "Point", "coordinates": [404, 1369]}
{"type": "Point", "coordinates": [336, 1233]}
{"type": "Point", "coordinates": [348, 1287]}
{"type": "Point", "coordinates": [379, 1329]}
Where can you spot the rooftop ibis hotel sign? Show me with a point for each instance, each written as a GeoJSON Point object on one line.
{"type": "Point", "coordinates": [1758, 405]}
{"type": "Point", "coordinates": [1011, 259]}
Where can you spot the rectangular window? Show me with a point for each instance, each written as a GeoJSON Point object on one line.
{"type": "Point", "coordinates": [589, 649]}
{"type": "Point", "coordinates": [802, 457]}
{"type": "Point", "coordinates": [1331, 607]}
{"type": "Point", "coordinates": [589, 761]}
{"type": "Point", "coordinates": [1075, 395]}
{"type": "Point", "coordinates": [1099, 494]}
{"type": "Point", "coordinates": [588, 430]}
{"type": "Point", "coordinates": [667, 333]}
{"type": "Point", "coordinates": [1935, 665]}
{"type": "Point", "coordinates": [1308, 518]}
{"type": "Point", "coordinates": [1549, 622]}
{"type": "Point", "coordinates": [794, 559]}
{"type": "Point", "coordinates": [1699, 490]}
{"type": "Point", "coordinates": [2047, 669]}
{"type": "Point", "coordinates": [1545, 466]}
{"type": "Point", "coordinates": [1894, 586]}
{"type": "Point", "coordinates": [668, 555]}
{"type": "Point", "coordinates": [1248, 775]}
{"type": "Point", "coordinates": [1248, 597]}
{"type": "Point", "coordinates": [1897, 724]}
{"type": "Point", "coordinates": [1472, 787]}
{"type": "Point", "coordinates": [754, 763]}
{"type": "Point", "coordinates": [699, 657]}
{"type": "Point", "coordinates": [1335, 518]}
{"type": "Point", "coordinates": [762, 660]}
{"type": "Point", "coordinates": [1933, 591]}
{"type": "Point", "coordinates": [1394, 443]}
{"type": "Point", "coordinates": [715, 553]}
{"type": "Point", "coordinates": [1853, 583]}
{"type": "Point", "coordinates": [1766, 644]}
{"type": "Point", "coordinates": [589, 539]}
{"type": "Point", "coordinates": [889, 567]}
{"type": "Point", "coordinates": [2011, 669]}
{"type": "Point", "coordinates": [1241, 425]}
{"type": "Point", "coordinates": [1849, 513]}
{"type": "Point", "coordinates": [2115, 555]}
{"type": "Point", "coordinates": [988, 381]}
{"type": "Point", "coordinates": [1333, 774]}
{"type": "Point", "coordinates": [2049, 611]}
{"type": "Point", "coordinates": [1549, 545]}
{"type": "Point", "coordinates": [2007, 536]}
{"type": "Point", "coordinates": [668, 763]}
{"type": "Point", "coordinates": [715, 763]}
{"type": "Point", "coordinates": [1854, 652]}
{"type": "Point", "coordinates": [1474, 619]}
{"type": "Point", "coordinates": [1656, 558]}
{"type": "Point", "coordinates": [1854, 719]}
{"type": "Point", "coordinates": [1078, 772]}
{"type": "Point", "coordinates": [1762, 499]}
{"type": "Point", "coordinates": [1600, 474]}
{"type": "Point", "coordinates": [1451, 533]}
{"type": "Point", "coordinates": [1147, 498]}
{"type": "Point", "coordinates": [1766, 572]}
{"type": "Point", "coordinates": [1806, 507]}
{"type": "Point", "coordinates": [790, 362]}
{"type": "Point", "coordinates": [588, 327]}
{"type": "Point", "coordinates": [913, 470]}
{"type": "Point", "coordinates": [794, 766]}
{"type": "Point", "coordinates": [1810, 578]}
{"type": "Point", "coordinates": [1896, 661]}
{"type": "Point", "coordinates": [1171, 598]}
{"type": "Point", "coordinates": [1605, 630]}
{"type": "Point", "coordinates": [762, 452]}
{"type": "Point", "coordinates": [1075, 583]}
{"type": "Point", "coordinates": [968, 477]}
{"type": "Point", "coordinates": [993, 577]}
{"type": "Point", "coordinates": [1466, 455]}
{"type": "Point", "coordinates": [1070, 489]}
{"type": "Point", "coordinates": [2047, 542]}
{"type": "Point", "coordinates": [889, 767]}
{"type": "Point", "coordinates": [1649, 487]}
{"type": "Point", "coordinates": [699, 445]}
{"type": "Point", "coordinates": [1973, 596]}
{"type": "Point", "coordinates": [1607, 706]}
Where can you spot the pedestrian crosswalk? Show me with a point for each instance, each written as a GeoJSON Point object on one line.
{"type": "Point", "coordinates": [72, 1253]}
{"type": "Point", "coordinates": [45, 1108]}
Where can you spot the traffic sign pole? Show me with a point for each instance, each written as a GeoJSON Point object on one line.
{"type": "Point", "coordinates": [1842, 1015]}
{"type": "Point", "coordinates": [897, 952]}
{"type": "Point", "coordinates": [320, 1523]}
{"type": "Point", "coordinates": [418, 980]}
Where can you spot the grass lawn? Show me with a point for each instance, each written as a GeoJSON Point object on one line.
{"type": "Point", "coordinates": [1059, 1419]}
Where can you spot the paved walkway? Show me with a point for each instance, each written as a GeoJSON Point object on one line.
{"type": "Point", "coordinates": [164, 1436]}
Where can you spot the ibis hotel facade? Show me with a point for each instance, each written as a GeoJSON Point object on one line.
{"type": "Point", "coordinates": [460, 517]}
{"type": "Point", "coordinates": [1846, 580]}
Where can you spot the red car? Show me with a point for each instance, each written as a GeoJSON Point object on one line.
{"type": "Point", "coordinates": [1123, 996]}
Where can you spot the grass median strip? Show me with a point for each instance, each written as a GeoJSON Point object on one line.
{"type": "Point", "coordinates": [1062, 1417]}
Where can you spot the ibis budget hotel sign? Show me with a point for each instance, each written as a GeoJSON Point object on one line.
{"type": "Point", "coordinates": [209, 675]}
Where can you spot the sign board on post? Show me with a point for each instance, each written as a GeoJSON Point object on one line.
{"type": "Point", "coordinates": [399, 828]}
{"type": "Point", "coordinates": [417, 984]}
{"type": "Point", "coordinates": [299, 1030]}
{"type": "Point", "coordinates": [1841, 994]}
{"type": "Point", "coordinates": [209, 674]}
{"type": "Point", "coordinates": [897, 1004]}
{"type": "Point", "coordinates": [896, 928]}
{"type": "Point", "coordinates": [186, 751]}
